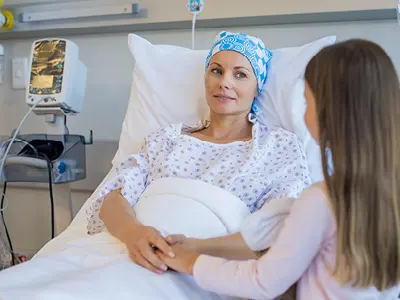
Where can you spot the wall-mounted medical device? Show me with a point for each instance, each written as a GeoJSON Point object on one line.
{"type": "Point", "coordinates": [54, 68]}
{"type": "Point", "coordinates": [195, 7]}
{"type": "Point", "coordinates": [6, 18]}
{"type": "Point", "coordinates": [55, 89]}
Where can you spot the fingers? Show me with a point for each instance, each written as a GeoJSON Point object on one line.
{"type": "Point", "coordinates": [140, 260]}
{"type": "Point", "coordinates": [147, 252]}
{"type": "Point", "coordinates": [160, 243]}
{"type": "Point", "coordinates": [143, 247]}
{"type": "Point", "coordinates": [175, 238]}
{"type": "Point", "coordinates": [165, 258]}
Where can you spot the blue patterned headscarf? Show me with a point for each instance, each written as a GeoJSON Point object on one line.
{"type": "Point", "coordinates": [250, 47]}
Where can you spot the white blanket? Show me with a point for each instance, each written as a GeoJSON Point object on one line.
{"type": "Point", "coordinates": [98, 267]}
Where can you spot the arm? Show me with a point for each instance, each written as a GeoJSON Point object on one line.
{"type": "Point", "coordinates": [119, 219]}
{"type": "Point", "coordinates": [113, 208]}
{"type": "Point", "coordinates": [286, 181]}
{"type": "Point", "coordinates": [302, 236]}
{"type": "Point", "coordinates": [230, 247]}
{"type": "Point", "coordinates": [118, 215]}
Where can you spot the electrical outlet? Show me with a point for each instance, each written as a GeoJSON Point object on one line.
{"type": "Point", "coordinates": [19, 73]}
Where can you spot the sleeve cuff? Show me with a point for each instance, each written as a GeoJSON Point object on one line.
{"type": "Point", "coordinates": [203, 271]}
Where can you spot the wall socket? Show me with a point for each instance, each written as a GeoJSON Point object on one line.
{"type": "Point", "coordinates": [19, 72]}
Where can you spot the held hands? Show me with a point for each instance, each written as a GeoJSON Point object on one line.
{"type": "Point", "coordinates": [145, 245]}
{"type": "Point", "coordinates": [148, 248]}
{"type": "Point", "coordinates": [185, 256]}
{"type": "Point", "coordinates": [183, 261]}
{"type": "Point", "coordinates": [187, 243]}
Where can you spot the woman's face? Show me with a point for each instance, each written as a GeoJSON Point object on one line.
{"type": "Point", "coordinates": [231, 85]}
{"type": "Point", "coordinates": [310, 116]}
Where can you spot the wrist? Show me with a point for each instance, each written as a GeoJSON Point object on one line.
{"type": "Point", "coordinates": [191, 263]}
{"type": "Point", "coordinates": [128, 229]}
{"type": "Point", "coordinates": [193, 244]}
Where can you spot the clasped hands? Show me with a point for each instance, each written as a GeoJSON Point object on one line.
{"type": "Point", "coordinates": [149, 249]}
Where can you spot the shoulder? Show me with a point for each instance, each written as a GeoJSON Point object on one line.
{"type": "Point", "coordinates": [316, 197]}
{"type": "Point", "coordinates": [279, 141]}
{"type": "Point", "coordinates": [266, 134]}
{"type": "Point", "coordinates": [164, 133]}
{"type": "Point", "coordinates": [317, 190]}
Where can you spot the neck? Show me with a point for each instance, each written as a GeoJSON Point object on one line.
{"type": "Point", "coordinates": [229, 127]}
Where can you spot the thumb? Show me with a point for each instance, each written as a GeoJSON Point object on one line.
{"type": "Point", "coordinates": [175, 239]}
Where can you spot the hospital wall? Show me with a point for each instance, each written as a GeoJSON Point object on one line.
{"type": "Point", "coordinates": [110, 67]}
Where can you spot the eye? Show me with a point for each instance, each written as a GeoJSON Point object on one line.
{"type": "Point", "coordinates": [240, 75]}
{"type": "Point", "coordinates": [216, 71]}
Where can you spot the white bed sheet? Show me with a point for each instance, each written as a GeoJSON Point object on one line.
{"type": "Point", "coordinates": [77, 266]}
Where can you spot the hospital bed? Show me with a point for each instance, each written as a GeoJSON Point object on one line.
{"type": "Point", "coordinates": [157, 78]}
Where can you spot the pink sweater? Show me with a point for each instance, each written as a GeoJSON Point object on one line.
{"type": "Point", "coordinates": [304, 252]}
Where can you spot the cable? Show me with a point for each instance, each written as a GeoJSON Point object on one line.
{"type": "Point", "coordinates": [4, 223]}
{"type": "Point", "coordinates": [15, 136]}
{"type": "Point", "coordinates": [2, 162]}
{"type": "Point", "coordinates": [50, 167]}
{"type": "Point", "coordinates": [65, 125]}
{"type": "Point", "coordinates": [23, 142]}
{"type": "Point", "coordinates": [9, 247]}
{"type": "Point", "coordinates": [195, 7]}
{"type": "Point", "coordinates": [193, 29]}
{"type": "Point", "coordinates": [3, 207]}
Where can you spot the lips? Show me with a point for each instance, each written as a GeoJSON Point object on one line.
{"type": "Point", "coordinates": [224, 98]}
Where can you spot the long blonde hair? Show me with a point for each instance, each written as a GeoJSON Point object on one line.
{"type": "Point", "coordinates": [358, 106]}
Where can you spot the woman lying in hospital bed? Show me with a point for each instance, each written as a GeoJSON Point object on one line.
{"type": "Point", "coordinates": [200, 181]}
{"type": "Point", "coordinates": [233, 151]}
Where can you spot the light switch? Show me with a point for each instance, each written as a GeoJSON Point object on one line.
{"type": "Point", "coordinates": [19, 73]}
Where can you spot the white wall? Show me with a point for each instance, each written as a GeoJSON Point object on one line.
{"type": "Point", "coordinates": [167, 12]}
{"type": "Point", "coordinates": [110, 65]}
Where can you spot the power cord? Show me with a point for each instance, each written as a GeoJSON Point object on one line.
{"type": "Point", "coordinates": [50, 167]}
{"type": "Point", "coordinates": [10, 247]}
{"type": "Point", "coordinates": [13, 259]}
{"type": "Point", "coordinates": [3, 197]}
{"type": "Point", "coordinates": [3, 160]}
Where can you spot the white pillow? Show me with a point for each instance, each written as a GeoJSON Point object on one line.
{"type": "Point", "coordinates": [168, 87]}
{"type": "Point", "coordinates": [282, 102]}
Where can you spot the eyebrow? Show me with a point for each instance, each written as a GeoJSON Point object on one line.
{"type": "Point", "coordinates": [237, 67]}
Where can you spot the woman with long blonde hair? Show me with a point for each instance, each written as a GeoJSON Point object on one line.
{"type": "Point", "coordinates": [342, 237]}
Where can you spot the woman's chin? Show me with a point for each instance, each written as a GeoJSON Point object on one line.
{"type": "Point", "coordinates": [224, 109]}
{"type": "Point", "coordinates": [225, 112]}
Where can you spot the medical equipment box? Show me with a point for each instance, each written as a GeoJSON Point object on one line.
{"type": "Point", "coordinates": [42, 157]}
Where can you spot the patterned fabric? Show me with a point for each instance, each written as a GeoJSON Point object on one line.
{"type": "Point", "coordinates": [270, 166]}
{"type": "Point", "coordinates": [249, 46]}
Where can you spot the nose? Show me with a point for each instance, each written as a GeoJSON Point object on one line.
{"type": "Point", "coordinates": [226, 81]}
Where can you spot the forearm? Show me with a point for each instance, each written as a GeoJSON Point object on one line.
{"type": "Point", "coordinates": [229, 247]}
{"type": "Point", "coordinates": [118, 215]}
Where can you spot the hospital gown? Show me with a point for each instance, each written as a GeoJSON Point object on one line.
{"type": "Point", "coordinates": [270, 166]}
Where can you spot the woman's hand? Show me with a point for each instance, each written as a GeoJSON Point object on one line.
{"type": "Point", "coordinates": [183, 261]}
{"type": "Point", "coordinates": [142, 243]}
